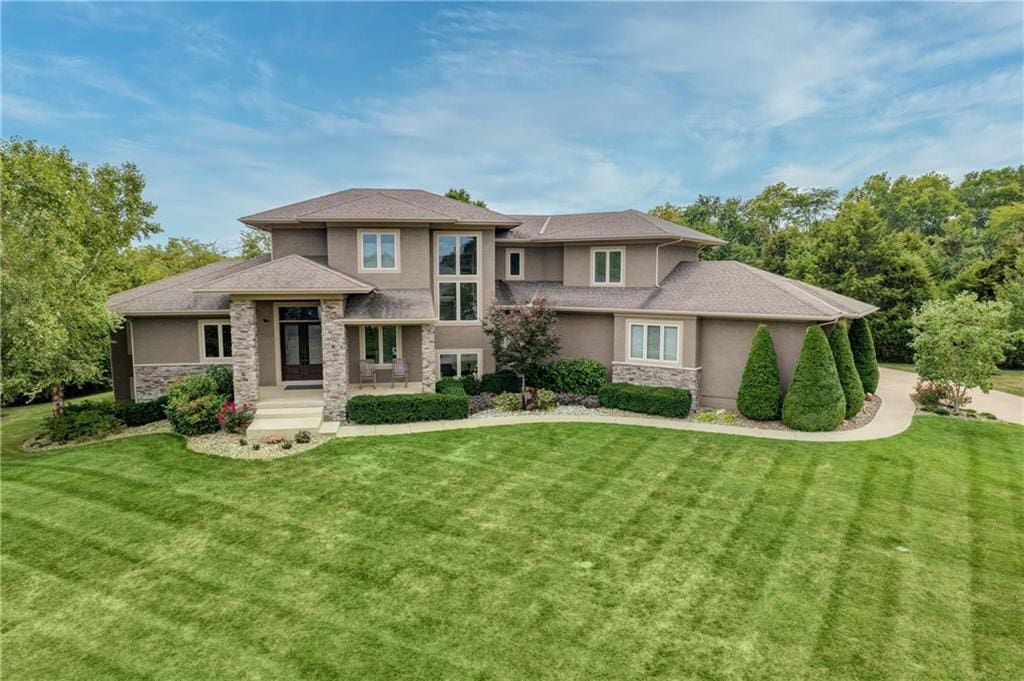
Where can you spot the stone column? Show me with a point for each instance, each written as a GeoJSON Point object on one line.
{"type": "Point", "coordinates": [427, 347]}
{"type": "Point", "coordinates": [335, 358]}
{"type": "Point", "coordinates": [244, 352]}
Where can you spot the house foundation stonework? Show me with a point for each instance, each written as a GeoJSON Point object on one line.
{"type": "Point", "coordinates": [335, 358]}
{"type": "Point", "coordinates": [152, 380]}
{"type": "Point", "coordinates": [427, 346]}
{"type": "Point", "coordinates": [658, 376]}
{"type": "Point", "coordinates": [244, 352]}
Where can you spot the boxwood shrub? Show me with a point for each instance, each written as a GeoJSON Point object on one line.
{"type": "Point", "coordinates": [87, 419]}
{"type": "Point", "coordinates": [450, 386]}
{"type": "Point", "coordinates": [141, 413]}
{"type": "Point", "coordinates": [646, 399]}
{"type": "Point", "coordinates": [579, 376]}
{"type": "Point", "coordinates": [380, 409]}
{"type": "Point", "coordinates": [504, 381]}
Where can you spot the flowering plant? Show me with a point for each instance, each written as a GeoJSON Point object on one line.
{"type": "Point", "coordinates": [235, 418]}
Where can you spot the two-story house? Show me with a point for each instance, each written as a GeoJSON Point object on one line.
{"type": "Point", "coordinates": [380, 274]}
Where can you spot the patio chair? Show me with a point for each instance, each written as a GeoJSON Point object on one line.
{"type": "Point", "coordinates": [399, 371]}
{"type": "Point", "coordinates": [367, 372]}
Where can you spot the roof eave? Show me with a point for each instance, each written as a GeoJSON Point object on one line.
{"type": "Point", "coordinates": [282, 292]}
{"type": "Point", "coordinates": [685, 313]}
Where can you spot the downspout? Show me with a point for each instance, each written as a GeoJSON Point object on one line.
{"type": "Point", "coordinates": [657, 259]}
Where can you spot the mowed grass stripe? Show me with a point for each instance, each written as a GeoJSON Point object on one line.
{"type": "Point", "coordinates": [573, 551]}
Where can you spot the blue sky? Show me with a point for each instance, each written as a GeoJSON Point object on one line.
{"type": "Point", "coordinates": [229, 109]}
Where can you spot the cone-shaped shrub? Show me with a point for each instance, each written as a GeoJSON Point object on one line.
{"type": "Point", "coordinates": [815, 398]}
{"type": "Point", "coordinates": [760, 395]}
{"type": "Point", "coordinates": [862, 343]}
{"type": "Point", "coordinates": [853, 391]}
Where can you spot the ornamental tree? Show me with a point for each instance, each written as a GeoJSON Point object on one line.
{"type": "Point", "coordinates": [815, 398]}
{"type": "Point", "coordinates": [862, 344]}
{"type": "Point", "coordinates": [853, 389]}
{"type": "Point", "coordinates": [65, 228]}
{"type": "Point", "coordinates": [760, 394]}
{"type": "Point", "coordinates": [523, 338]}
{"type": "Point", "coordinates": [958, 343]}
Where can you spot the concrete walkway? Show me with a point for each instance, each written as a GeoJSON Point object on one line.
{"type": "Point", "coordinates": [893, 417]}
{"type": "Point", "coordinates": [1005, 406]}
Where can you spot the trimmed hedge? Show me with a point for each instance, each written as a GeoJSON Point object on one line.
{"type": "Point", "coordinates": [504, 381]}
{"type": "Point", "coordinates": [88, 419]}
{"type": "Point", "coordinates": [380, 409]}
{"type": "Point", "coordinates": [450, 386]}
{"type": "Point", "coordinates": [853, 391]}
{"type": "Point", "coordinates": [815, 399]}
{"type": "Point", "coordinates": [579, 376]}
{"type": "Point", "coordinates": [646, 399]}
{"type": "Point", "coordinates": [862, 344]}
{"type": "Point", "coordinates": [141, 413]}
{"type": "Point", "coordinates": [760, 394]}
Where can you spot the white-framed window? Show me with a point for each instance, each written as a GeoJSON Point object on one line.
{"type": "Point", "coordinates": [382, 344]}
{"type": "Point", "coordinates": [378, 250]}
{"type": "Point", "coordinates": [459, 363]}
{"type": "Point", "coordinates": [654, 341]}
{"type": "Point", "coordinates": [214, 340]}
{"type": "Point", "coordinates": [514, 263]}
{"type": "Point", "coordinates": [607, 266]}
{"type": "Point", "coordinates": [457, 267]}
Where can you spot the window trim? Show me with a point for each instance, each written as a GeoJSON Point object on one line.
{"type": "Point", "coordinates": [458, 279]}
{"type": "Point", "coordinates": [678, 324]}
{"type": "Point", "coordinates": [508, 264]}
{"type": "Point", "coordinates": [376, 270]}
{"type": "Point", "coordinates": [458, 352]}
{"type": "Point", "coordinates": [220, 359]}
{"type": "Point", "coordinates": [593, 267]}
{"type": "Point", "coordinates": [380, 342]}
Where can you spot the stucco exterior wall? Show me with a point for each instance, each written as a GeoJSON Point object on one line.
{"type": "Point", "coordinates": [724, 345]}
{"type": "Point", "coordinates": [166, 340]}
{"type": "Point", "coordinates": [670, 256]}
{"type": "Point", "coordinates": [412, 351]}
{"type": "Point", "coordinates": [265, 342]}
{"type": "Point", "coordinates": [414, 260]}
{"type": "Point", "coordinates": [587, 335]}
{"type": "Point", "coordinates": [465, 338]}
{"type": "Point", "coordinates": [311, 243]}
{"type": "Point", "coordinates": [541, 263]}
{"type": "Point", "coordinates": [639, 264]}
{"type": "Point", "coordinates": [688, 353]}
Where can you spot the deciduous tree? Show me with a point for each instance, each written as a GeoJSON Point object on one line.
{"type": "Point", "coordinates": [523, 338]}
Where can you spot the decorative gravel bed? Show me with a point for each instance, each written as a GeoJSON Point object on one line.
{"type": "Point", "coordinates": [229, 445]}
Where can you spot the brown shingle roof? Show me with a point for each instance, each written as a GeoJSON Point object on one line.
{"type": "Point", "coordinates": [706, 288]}
{"type": "Point", "coordinates": [290, 274]}
{"type": "Point", "coordinates": [625, 224]}
{"type": "Point", "coordinates": [399, 303]}
{"type": "Point", "coordinates": [381, 205]}
{"type": "Point", "coordinates": [175, 295]}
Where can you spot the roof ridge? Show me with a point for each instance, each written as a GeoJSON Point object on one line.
{"type": "Point", "coordinates": [333, 271]}
{"type": "Point", "coordinates": [649, 219]}
{"type": "Point", "coordinates": [416, 205]}
{"type": "Point", "coordinates": [771, 276]}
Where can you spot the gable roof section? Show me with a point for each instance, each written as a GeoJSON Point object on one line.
{"type": "Point", "coordinates": [703, 288]}
{"type": "Point", "coordinates": [290, 274]}
{"type": "Point", "coordinates": [380, 205]}
{"type": "Point", "coordinates": [174, 295]}
{"type": "Point", "coordinates": [625, 224]}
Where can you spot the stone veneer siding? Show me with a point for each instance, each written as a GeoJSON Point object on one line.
{"type": "Point", "coordinates": [427, 346]}
{"type": "Point", "coordinates": [670, 377]}
{"type": "Point", "coordinates": [152, 380]}
{"type": "Point", "coordinates": [335, 358]}
{"type": "Point", "coordinates": [244, 352]}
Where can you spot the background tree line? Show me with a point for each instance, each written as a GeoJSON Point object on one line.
{"type": "Point", "coordinates": [894, 243]}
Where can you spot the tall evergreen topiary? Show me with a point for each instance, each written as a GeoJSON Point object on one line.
{"type": "Point", "coordinates": [853, 390]}
{"type": "Point", "coordinates": [815, 399]}
{"type": "Point", "coordinates": [760, 395]}
{"type": "Point", "coordinates": [862, 343]}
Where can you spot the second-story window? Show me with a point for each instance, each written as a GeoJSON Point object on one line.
{"type": "Point", "coordinates": [458, 277]}
{"type": "Point", "coordinates": [606, 266]}
{"type": "Point", "coordinates": [514, 263]}
{"type": "Point", "coordinates": [378, 250]}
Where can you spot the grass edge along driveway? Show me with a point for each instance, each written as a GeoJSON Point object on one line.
{"type": "Point", "coordinates": [570, 551]}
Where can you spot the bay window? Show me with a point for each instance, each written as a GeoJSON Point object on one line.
{"type": "Point", "coordinates": [654, 342]}
{"type": "Point", "coordinates": [378, 251]}
{"type": "Point", "coordinates": [458, 277]}
{"type": "Point", "coordinates": [606, 266]}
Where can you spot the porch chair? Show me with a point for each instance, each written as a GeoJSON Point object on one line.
{"type": "Point", "coordinates": [367, 372]}
{"type": "Point", "coordinates": [399, 371]}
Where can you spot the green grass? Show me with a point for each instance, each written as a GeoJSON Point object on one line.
{"type": "Point", "coordinates": [20, 424]}
{"type": "Point", "coordinates": [570, 551]}
{"type": "Point", "coordinates": [1007, 380]}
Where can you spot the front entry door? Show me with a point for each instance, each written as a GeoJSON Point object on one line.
{"type": "Point", "coordinates": [301, 358]}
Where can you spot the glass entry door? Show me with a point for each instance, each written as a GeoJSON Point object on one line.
{"type": "Point", "coordinates": [301, 349]}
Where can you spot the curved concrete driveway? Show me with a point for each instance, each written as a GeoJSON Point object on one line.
{"type": "Point", "coordinates": [893, 417]}
{"type": "Point", "coordinates": [1005, 406]}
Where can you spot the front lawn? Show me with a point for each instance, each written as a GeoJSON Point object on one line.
{"type": "Point", "coordinates": [1007, 380]}
{"type": "Point", "coordinates": [20, 424]}
{"type": "Point", "coordinates": [538, 551]}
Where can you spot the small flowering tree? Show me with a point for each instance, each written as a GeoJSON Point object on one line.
{"type": "Point", "coordinates": [522, 338]}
